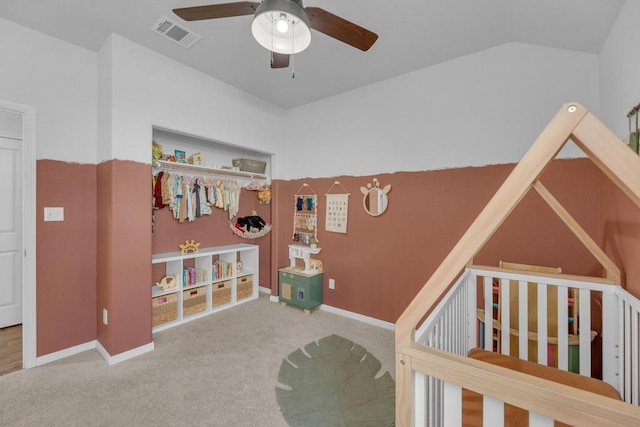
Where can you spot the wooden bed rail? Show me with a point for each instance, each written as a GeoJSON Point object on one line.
{"type": "Point", "coordinates": [557, 401]}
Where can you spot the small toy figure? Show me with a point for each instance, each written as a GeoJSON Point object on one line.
{"type": "Point", "coordinates": [264, 195]}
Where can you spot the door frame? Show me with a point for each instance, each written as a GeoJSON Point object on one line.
{"type": "Point", "coordinates": [28, 176]}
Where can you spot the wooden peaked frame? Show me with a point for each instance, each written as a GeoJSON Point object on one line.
{"type": "Point", "coordinates": [573, 122]}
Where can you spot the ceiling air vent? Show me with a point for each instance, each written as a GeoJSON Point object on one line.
{"type": "Point", "coordinates": [172, 31]}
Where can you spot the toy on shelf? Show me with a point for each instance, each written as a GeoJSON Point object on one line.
{"type": "Point", "coordinates": [168, 282]}
{"type": "Point", "coordinates": [189, 246]}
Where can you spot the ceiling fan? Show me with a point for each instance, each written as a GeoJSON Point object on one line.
{"type": "Point", "coordinates": [283, 26]}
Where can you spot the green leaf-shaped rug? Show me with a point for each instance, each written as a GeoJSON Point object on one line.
{"type": "Point", "coordinates": [335, 384]}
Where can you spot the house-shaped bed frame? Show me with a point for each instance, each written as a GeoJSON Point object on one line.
{"type": "Point", "coordinates": [573, 122]}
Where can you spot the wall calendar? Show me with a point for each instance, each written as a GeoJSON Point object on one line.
{"type": "Point", "coordinates": [337, 211]}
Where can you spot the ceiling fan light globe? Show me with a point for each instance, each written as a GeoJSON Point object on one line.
{"type": "Point", "coordinates": [297, 36]}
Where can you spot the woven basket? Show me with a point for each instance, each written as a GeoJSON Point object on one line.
{"type": "Point", "coordinates": [164, 309]}
{"type": "Point", "coordinates": [244, 287]}
{"type": "Point", "coordinates": [221, 293]}
{"type": "Point", "coordinates": [194, 300]}
{"type": "Point", "coordinates": [250, 165]}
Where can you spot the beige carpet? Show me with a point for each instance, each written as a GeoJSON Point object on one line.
{"type": "Point", "coordinates": [220, 370]}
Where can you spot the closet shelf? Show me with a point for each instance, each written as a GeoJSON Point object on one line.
{"type": "Point", "coordinates": [186, 167]}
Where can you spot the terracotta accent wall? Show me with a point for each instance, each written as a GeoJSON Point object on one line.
{"type": "Point", "coordinates": [212, 230]}
{"type": "Point", "coordinates": [124, 255]}
{"type": "Point", "coordinates": [65, 256]}
{"type": "Point", "coordinates": [382, 262]}
{"type": "Point", "coordinates": [621, 233]}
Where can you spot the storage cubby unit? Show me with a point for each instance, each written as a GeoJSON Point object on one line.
{"type": "Point", "coordinates": [210, 280]}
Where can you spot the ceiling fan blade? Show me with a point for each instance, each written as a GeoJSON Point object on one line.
{"type": "Point", "coordinates": [279, 60]}
{"type": "Point", "coordinates": [340, 28]}
{"type": "Point", "coordinates": [213, 11]}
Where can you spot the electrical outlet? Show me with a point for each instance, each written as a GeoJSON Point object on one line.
{"type": "Point", "coordinates": [332, 284]}
{"type": "Point", "coordinates": [105, 318]}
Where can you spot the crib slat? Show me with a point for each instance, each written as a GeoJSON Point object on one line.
{"type": "Point", "coordinates": [611, 341]}
{"type": "Point", "coordinates": [505, 316]}
{"type": "Point", "coordinates": [584, 329]}
{"type": "Point", "coordinates": [492, 412]}
{"type": "Point", "coordinates": [421, 403]}
{"type": "Point", "coordinates": [472, 292]}
{"type": "Point", "coordinates": [452, 405]}
{"type": "Point", "coordinates": [542, 324]}
{"type": "Point", "coordinates": [627, 353]}
{"type": "Point", "coordinates": [634, 355]}
{"type": "Point", "coordinates": [523, 320]}
{"type": "Point", "coordinates": [488, 313]}
{"type": "Point", "coordinates": [563, 328]}
{"type": "Point", "coordinates": [537, 420]}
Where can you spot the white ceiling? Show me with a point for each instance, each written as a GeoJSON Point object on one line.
{"type": "Point", "coordinates": [413, 34]}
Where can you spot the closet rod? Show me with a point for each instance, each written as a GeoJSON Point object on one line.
{"type": "Point", "coordinates": [186, 167]}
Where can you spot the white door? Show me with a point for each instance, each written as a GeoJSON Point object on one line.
{"type": "Point", "coordinates": [10, 232]}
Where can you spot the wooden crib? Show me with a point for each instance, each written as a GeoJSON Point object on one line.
{"type": "Point", "coordinates": [441, 326]}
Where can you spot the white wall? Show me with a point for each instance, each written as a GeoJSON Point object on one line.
{"type": "Point", "coordinates": [148, 90]}
{"type": "Point", "coordinates": [10, 124]}
{"type": "Point", "coordinates": [59, 80]}
{"type": "Point", "coordinates": [620, 70]}
{"type": "Point", "coordinates": [481, 109]}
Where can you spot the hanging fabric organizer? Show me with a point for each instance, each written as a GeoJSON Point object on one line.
{"type": "Point", "coordinates": [190, 192]}
{"type": "Point", "coordinates": [305, 215]}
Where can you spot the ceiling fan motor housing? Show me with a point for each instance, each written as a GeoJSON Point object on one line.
{"type": "Point", "coordinates": [297, 36]}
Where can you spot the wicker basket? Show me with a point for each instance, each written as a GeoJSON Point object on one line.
{"type": "Point", "coordinates": [250, 165]}
{"type": "Point", "coordinates": [221, 293]}
{"type": "Point", "coordinates": [164, 309]}
{"type": "Point", "coordinates": [194, 300]}
{"type": "Point", "coordinates": [244, 287]}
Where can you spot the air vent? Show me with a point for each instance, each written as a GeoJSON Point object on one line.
{"type": "Point", "coordinates": [172, 31]}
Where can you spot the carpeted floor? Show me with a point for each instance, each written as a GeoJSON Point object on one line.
{"type": "Point", "coordinates": [220, 370]}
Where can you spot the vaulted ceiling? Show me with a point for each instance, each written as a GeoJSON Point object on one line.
{"type": "Point", "coordinates": [413, 34]}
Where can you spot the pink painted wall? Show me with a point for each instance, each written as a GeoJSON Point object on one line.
{"type": "Point", "coordinates": [100, 256]}
{"type": "Point", "coordinates": [620, 224]}
{"type": "Point", "coordinates": [382, 262]}
{"type": "Point", "coordinates": [65, 256]}
{"type": "Point", "coordinates": [124, 255]}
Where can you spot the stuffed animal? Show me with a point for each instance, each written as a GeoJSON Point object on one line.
{"type": "Point", "coordinates": [251, 222]}
{"type": "Point", "coordinates": [264, 195]}
{"type": "Point", "coordinates": [168, 282]}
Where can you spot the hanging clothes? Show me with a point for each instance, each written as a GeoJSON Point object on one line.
{"type": "Point", "coordinates": [189, 196]}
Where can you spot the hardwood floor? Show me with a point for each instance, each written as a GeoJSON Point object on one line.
{"type": "Point", "coordinates": [10, 349]}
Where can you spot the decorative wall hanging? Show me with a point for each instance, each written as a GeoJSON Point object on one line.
{"type": "Point", "coordinates": [375, 200]}
{"type": "Point", "coordinates": [337, 210]}
{"type": "Point", "coordinates": [305, 215]}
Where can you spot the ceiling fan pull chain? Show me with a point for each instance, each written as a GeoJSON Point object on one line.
{"type": "Point", "coordinates": [293, 62]}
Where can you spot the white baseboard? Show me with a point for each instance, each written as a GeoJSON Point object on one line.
{"type": "Point", "coordinates": [126, 355]}
{"type": "Point", "coordinates": [362, 318]}
{"type": "Point", "coordinates": [57, 355]}
{"type": "Point", "coordinates": [264, 290]}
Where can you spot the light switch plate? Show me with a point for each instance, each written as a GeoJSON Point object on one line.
{"type": "Point", "coordinates": [54, 214]}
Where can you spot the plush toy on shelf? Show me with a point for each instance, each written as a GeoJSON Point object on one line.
{"type": "Point", "coordinates": [168, 282]}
